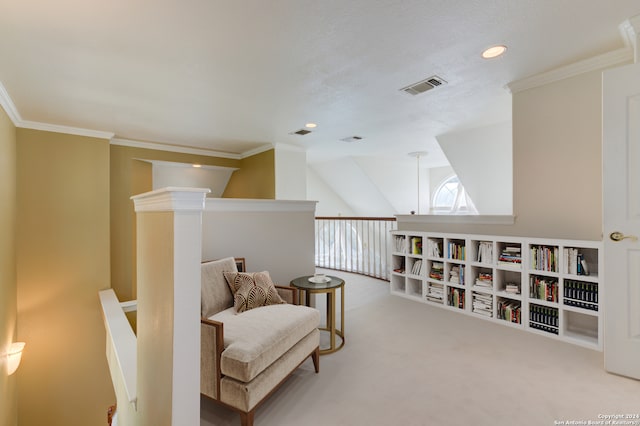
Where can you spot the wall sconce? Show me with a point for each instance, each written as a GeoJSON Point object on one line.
{"type": "Point", "coordinates": [14, 355]}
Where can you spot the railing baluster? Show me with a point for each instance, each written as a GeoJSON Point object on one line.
{"type": "Point", "coordinates": [354, 244]}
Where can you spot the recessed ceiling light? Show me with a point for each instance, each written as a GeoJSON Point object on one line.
{"type": "Point", "coordinates": [311, 125]}
{"type": "Point", "coordinates": [494, 52]}
{"type": "Point", "coordinates": [197, 165]}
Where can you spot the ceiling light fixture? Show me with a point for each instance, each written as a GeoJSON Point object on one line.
{"type": "Point", "coordinates": [197, 166]}
{"type": "Point", "coordinates": [311, 125]}
{"type": "Point", "coordinates": [494, 52]}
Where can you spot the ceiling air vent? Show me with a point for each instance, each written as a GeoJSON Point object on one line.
{"type": "Point", "coordinates": [352, 139]}
{"type": "Point", "coordinates": [424, 85]}
{"type": "Point", "coordinates": [301, 132]}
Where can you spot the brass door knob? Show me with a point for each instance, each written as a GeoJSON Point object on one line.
{"type": "Point", "coordinates": [619, 236]}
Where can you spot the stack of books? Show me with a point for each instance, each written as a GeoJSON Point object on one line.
{"type": "Point", "coordinates": [483, 304]}
{"type": "Point", "coordinates": [510, 254]}
{"type": "Point", "coordinates": [437, 271]}
{"type": "Point", "coordinates": [435, 292]}
{"type": "Point", "coordinates": [512, 288]}
{"type": "Point", "coordinates": [456, 275]}
{"type": "Point", "coordinates": [485, 279]}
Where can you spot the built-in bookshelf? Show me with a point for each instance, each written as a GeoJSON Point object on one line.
{"type": "Point", "coordinates": [550, 287]}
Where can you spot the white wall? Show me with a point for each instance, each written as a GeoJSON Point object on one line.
{"type": "Point", "coordinates": [397, 181]}
{"type": "Point", "coordinates": [291, 172]}
{"type": "Point", "coordinates": [169, 174]}
{"type": "Point", "coordinates": [276, 236]}
{"type": "Point", "coordinates": [350, 182]}
{"type": "Point", "coordinates": [483, 160]}
{"type": "Point", "coordinates": [329, 203]}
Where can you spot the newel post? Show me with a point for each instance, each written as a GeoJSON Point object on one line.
{"type": "Point", "coordinates": [169, 247]}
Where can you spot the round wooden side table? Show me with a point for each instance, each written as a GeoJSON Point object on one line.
{"type": "Point", "coordinates": [329, 288]}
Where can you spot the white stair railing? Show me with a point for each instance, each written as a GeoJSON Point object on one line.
{"type": "Point", "coordinates": [354, 244]}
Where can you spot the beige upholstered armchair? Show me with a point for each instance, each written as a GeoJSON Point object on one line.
{"type": "Point", "coordinates": [245, 355]}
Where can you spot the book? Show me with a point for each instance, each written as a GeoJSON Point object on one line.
{"type": "Point", "coordinates": [399, 243]}
{"type": "Point", "coordinates": [485, 252]}
{"type": "Point", "coordinates": [434, 248]}
{"type": "Point", "coordinates": [416, 245]}
{"type": "Point", "coordinates": [416, 269]}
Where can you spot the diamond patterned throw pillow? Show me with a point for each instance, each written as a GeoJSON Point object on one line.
{"type": "Point", "coordinates": [252, 290]}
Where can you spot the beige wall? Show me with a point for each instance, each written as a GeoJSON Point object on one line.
{"type": "Point", "coordinates": [255, 179]}
{"type": "Point", "coordinates": [557, 154]}
{"type": "Point", "coordinates": [8, 297]}
{"type": "Point", "coordinates": [62, 263]}
{"type": "Point", "coordinates": [129, 176]}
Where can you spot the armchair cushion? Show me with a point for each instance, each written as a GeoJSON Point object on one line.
{"type": "Point", "coordinates": [215, 293]}
{"type": "Point", "coordinates": [258, 337]}
{"type": "Point", "coordinates": [252, 290]}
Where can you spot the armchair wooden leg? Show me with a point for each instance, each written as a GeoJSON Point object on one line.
{"type": "Point", "coordinates": [316, 359]}
{"type": "Point", "coordinates": [246, 419]}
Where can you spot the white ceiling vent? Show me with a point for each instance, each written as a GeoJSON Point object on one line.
{"type": "Point", "coordinates": [424, 85]}
{"type": "Point", "coordinates": [352, 139]}
{"type": "Point", "coordinates": [301, 132]}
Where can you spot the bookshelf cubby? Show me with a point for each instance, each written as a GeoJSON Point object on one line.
{"type": "Point", "coordinates": [550, 287]}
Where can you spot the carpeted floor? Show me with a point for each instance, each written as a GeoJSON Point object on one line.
{"type": "Point", "coordinates": [405, 363]}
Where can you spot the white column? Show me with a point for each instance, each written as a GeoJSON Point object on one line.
{"type": "Point", "coordinates": [291, 172]}
{"type": "Point", "coordinates": [169, 244]}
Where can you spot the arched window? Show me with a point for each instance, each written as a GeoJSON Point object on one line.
{"type": "Point", "coordinates": [450, 197]}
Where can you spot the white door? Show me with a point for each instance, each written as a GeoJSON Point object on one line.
{"type": "Point", "coordinates": [621, 216]}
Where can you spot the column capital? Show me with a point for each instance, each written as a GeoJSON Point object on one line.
{"type": "Point", "coordinates": [171, 199]}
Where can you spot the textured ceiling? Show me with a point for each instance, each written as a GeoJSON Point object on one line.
{"type": "Point", "coordinates": [235, 75]}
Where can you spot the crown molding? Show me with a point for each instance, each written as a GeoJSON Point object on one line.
{"type": "Point", "coordinates": [174, 148]}
{"type": "Point", "coordinates": [9, 107]}
{"type": "Point", "coordinates": [630, 31]}
{"type": "Point", "coordinates": [606, 60]}
{"type": "Point", "coordinates": [256, 151]}
{"type": "Point", "coordinates": [34, 125]}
